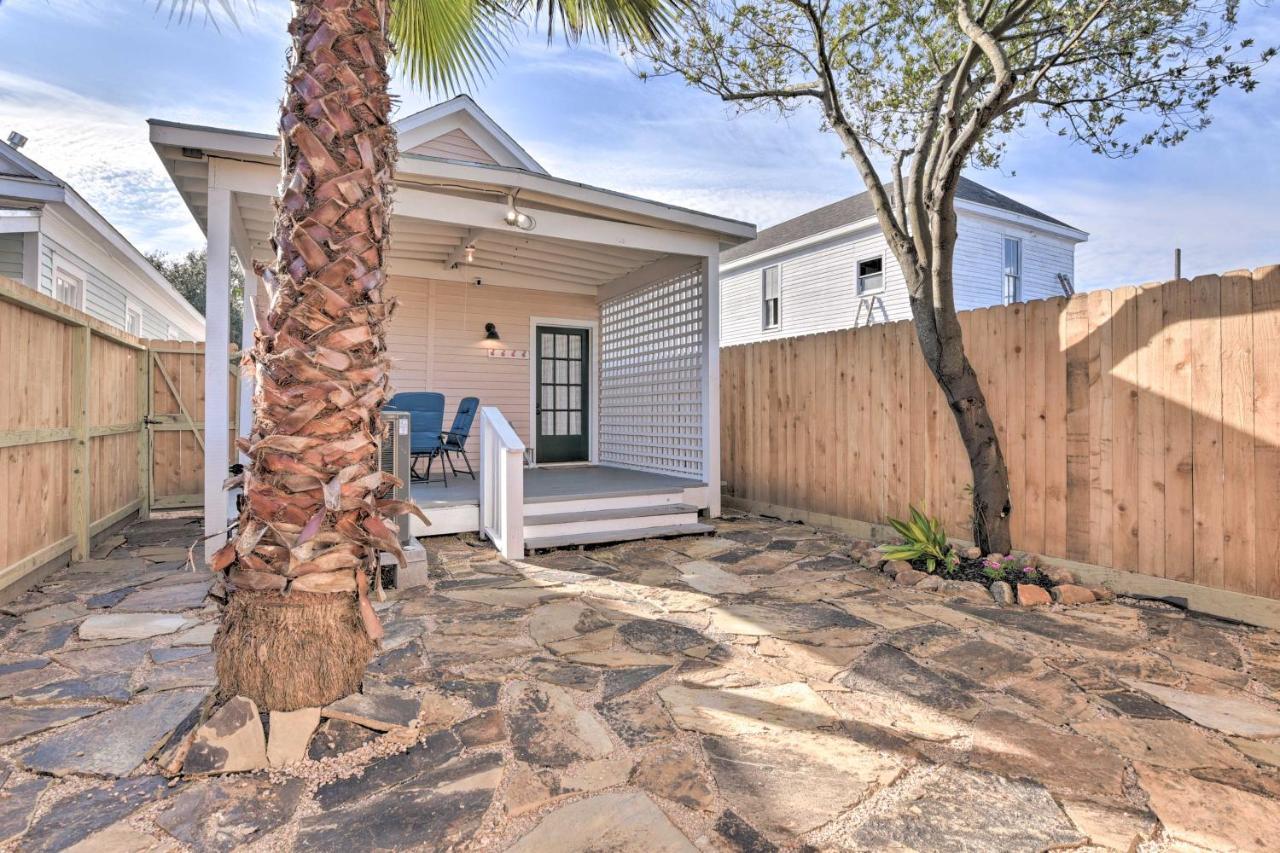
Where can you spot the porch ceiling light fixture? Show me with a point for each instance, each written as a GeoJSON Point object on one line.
{"type": "Point", "coordinates": [469, 253]}
{"type": "Point", "coordinates": [518, 218]}
{"type": "Point", "coordinates": [491, 332]}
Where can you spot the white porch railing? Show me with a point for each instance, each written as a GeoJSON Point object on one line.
{"type": "Point", "coordinates": [501, 484]}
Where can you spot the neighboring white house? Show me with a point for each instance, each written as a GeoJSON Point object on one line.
{"type": "Point", "coordinates": [54, 242]}
{"type": "Point", "coordinates": [831, 268]}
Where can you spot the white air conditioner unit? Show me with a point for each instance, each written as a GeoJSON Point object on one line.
{"type": "Point", "coordinates": [394, 458]}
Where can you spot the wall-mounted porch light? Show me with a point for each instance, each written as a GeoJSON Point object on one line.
{"type": "Point", "coordinates": [491, 332]}
{"type": "Point", "coordinates": [469, 253]}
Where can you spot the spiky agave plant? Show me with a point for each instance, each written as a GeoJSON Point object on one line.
{"type": "Point", "coordinates": [925, 539]}
{"type": "Point", "coordinates": [299, 629]}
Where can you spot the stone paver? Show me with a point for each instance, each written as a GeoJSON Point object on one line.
{"type": "Point", "coordinates": [762, 689]}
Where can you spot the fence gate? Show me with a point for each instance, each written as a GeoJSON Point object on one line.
{"type": "Point", "coordinates": [175, 424]}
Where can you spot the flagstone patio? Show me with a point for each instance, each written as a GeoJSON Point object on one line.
{"type": "Point", "coordinates": [755, 690]}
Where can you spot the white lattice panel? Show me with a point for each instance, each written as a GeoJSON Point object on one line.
{"type": "Point", "coordinates": [651, 377]}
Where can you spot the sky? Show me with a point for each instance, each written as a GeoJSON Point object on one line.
{"type": "Point", "coordinates": [79, 78]}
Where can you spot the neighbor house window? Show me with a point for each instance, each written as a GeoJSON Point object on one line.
{"type": "Point", "coordinates": [870, 275]}
{"type": "Point", "coordinates": [771, 293]}
{"type": "Point", "coordinates": [1012, 270]}
{"type": "Point", "coordinates": [68, 289]}
{"type": "Point", "coordinates": [133, 321]}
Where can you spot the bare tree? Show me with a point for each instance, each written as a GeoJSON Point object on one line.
{"type": "Point", "coordinates": [934, 86]}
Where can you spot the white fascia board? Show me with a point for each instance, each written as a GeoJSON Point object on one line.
{"type": "Point", "coordinates": [80, 216]}
{"type": "Point", "coordinates": [30, 189]}
{"type": "Point", "coordinates": [1035, 224]}
{"type": "Point", "coordinates": [238, 144]}
{"type": "Point", "coordinates": [423, 166]}
{"type": "Point", "coordinates": [868, 224]}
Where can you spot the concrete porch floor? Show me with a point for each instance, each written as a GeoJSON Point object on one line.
{"type": "Point", "coordinates": [553, 484]}
{"type": "Point", "coordinates": [754, 691]}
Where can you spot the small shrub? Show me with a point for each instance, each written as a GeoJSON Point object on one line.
{"type": "Point", "coordinates": [926, 539]}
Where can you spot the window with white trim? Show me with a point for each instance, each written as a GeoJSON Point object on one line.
{"type": "Point", "coordinates": [133, 321]}
{"type": "Point", "coordinates": [771, 296]}
{"type": "Point", "coordinates": [68, 289]}
{"type": "Point", "coordinates": [871, 276]}
{"type": "Point", "coordinates": [1012, 288]}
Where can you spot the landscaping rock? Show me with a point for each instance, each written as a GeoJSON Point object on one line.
{"type": "Point", "coordinates": [973, 552]}
{"type": "Point", "coordinates": [971, 590]}
{"type": "Point", "coordinates": [991, 814]}
{"type": "Point", "coordinates": [230, 742]}
{"type": "Point", "coordinates": [893, 567]}
{"type": "Point", "coordinates": [1030, 595]}
{"type": "Point", "coordinates": [895, 674]}
{"type": "Point", "coordinates": [386, 773]}
{"type": "Point", "coordinates": [165, 599]}
{"type": "Point", "coordinates": [1002, 593]}
{"type": "Point", "coordinates": [290, 734]}
{"type": "Point", "coordinates": [198, 671]}
{"type": "Point", "coordinates": [334, 737]}
{"type": "Point", "coordinates": [548, 729]}
{"type": "Point", "coordinates": [1101, 593]}
{"type": "Point", "coordinates": [131, 626]}
{"type": "Point", "coordinates": [482, 729]}
{"type": "Point", "coordinates": [114, 742]}
{"type": "Point", "coordinates": [1059, 575]}
{"type": "Point", "coordinates": [908, 576]}
{"type": "Point", "coordinates": [637, 720]}
{"type": "Point", "coordinates": [930, 583]}
{"type": "Point", "coordinates": [626, 820]}
{"type": "Point", "coordinates": [1067, 593]}
{"type": "Point", "coordinates": [674, 776]}
{"type": "Point", "coordinates": [620, 681]}
{"type": "Point", "coordinates": [378, 707]}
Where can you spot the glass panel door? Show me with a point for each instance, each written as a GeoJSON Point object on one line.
{"type": "Point", "coordinates": [561, 416]}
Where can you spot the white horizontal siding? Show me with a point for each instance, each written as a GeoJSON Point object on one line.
{"type": "Point", "coordinates": [11, 256]}
{"type": "Point", "coordinates": [455, 145]}
{"type": "Point", "coordinates": [818, 290]}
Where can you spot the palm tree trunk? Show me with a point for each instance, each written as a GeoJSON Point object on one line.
{"type": "Point", "coordinates": [299, 630]}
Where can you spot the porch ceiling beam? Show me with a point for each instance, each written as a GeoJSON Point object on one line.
{"type": "Point", "coordinates": [259, 179]}
{"type": "Point", "coordinates": [605, 269]}
{"type": "Point", "coordinates": [559, 249]}
{"type": "Point", "coordinates": [583, 266]}
{"type": "Point", "coordinates": [491, 278]}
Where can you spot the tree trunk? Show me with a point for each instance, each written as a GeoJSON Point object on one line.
{"type": "Point", "coordinates": [299, 630]}
{"type": "Point", "coordinates": [943, 349]}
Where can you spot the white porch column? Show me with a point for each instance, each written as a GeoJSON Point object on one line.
{"type": "Point", "coordinates": [253, 292]}
{"type": "Point", "coordinates": [711, 381]}
{"type": "Point", "coordinates": [217, 331]}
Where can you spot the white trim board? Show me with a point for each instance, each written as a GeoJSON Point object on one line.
{"type": "Point", "coordinates": [593, 384]}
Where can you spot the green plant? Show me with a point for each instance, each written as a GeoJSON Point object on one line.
{"type": "Point", "coordinates": [926, 539]}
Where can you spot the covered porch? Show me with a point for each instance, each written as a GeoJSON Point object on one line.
{"type": "Point", "coordinates": [585, 321]}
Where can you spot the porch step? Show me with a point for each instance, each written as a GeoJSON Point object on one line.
{"type": "Point", "coordinates": [607, 514]}
{"type": "Point", "coordinates": [661, 531]}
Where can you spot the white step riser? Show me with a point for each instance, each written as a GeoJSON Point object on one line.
{"type": "Point", "coordinates": [605, 525]}
{"type": "Point", "coordinates": [532, 510]}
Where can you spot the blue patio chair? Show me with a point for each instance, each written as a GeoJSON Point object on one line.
{"type": "Point", "coordinates": [426, 422]}
{"type": "Point", "coordinates": [455, 440]}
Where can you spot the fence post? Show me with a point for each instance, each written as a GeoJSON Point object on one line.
{"type": "Point", "coordinates": [80, 497]}
{"type": "Point", "coordinates": [144, 434]}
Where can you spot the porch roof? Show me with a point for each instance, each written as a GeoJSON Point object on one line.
{"type": "Point", "coordinates": [584, 237]}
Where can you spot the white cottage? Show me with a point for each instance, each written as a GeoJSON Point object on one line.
{"type": "Point", "coordinates": [582, 318]}
{"type": "Point", "coordinates": [831, 268]}
{"type": "Point", "coordinates": [54, 242]}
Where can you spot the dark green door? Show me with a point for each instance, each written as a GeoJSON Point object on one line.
{"type": "Point", "coordinates": [562, 419]}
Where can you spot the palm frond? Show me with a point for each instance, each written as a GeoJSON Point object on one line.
{"type": "Point", "coordinates": [444, 45]}
{"type": "Point", "coordinates": [606, 20]}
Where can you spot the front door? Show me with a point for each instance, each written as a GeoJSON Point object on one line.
{"type": "Point", "coordinates": [562, 421]}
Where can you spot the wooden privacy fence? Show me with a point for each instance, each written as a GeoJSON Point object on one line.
{"type": "Point", "coordinates": [1141, 426]}
{"type": "Point", "coordinates": [82, 407]}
